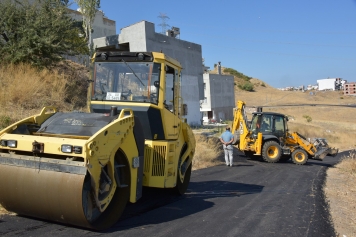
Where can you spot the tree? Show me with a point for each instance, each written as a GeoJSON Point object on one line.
{"type": "Point", "coordinates": [39, 33]}
{"type": "Point", "coordinates": [88, 8]}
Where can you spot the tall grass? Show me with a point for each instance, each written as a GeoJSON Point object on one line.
{"type": "Point", "coordinates": [348, 163]}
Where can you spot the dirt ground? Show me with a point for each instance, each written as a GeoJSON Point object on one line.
{"type": "Point", "coordinates": [340, 192]}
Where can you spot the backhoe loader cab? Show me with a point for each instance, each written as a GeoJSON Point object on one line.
{"type": "Point", "coordinates": [82, 168]}
{"type": "Point", "coordinates": [269, 123]}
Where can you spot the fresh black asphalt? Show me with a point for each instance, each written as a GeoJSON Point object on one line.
{"type": "Point", "coordinates": [252, 198]}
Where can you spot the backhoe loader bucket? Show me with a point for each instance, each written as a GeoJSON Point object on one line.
{"type": "Point", "coordinates": [323, 149]}
{"type": "Point", "coordinates": [321, 153]}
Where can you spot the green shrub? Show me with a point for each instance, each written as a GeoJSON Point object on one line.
{"type": "Point", "coordinates": [247, 86]}
{"type": "Point", "coordinates": [308, 118]}
{"type": "Point", "coordinates": [263, 84]}
{"type": "Point", "coordinates": [237, 74]}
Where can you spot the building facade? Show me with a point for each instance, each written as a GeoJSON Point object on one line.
{"type": "Point", "coordinates": [219, 98]}
{"type": "Point", "coordinates": [350, 88]}
{"type": "Point", "coordinates": [330, 84]}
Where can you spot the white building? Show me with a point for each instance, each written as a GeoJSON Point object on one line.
{"type": "Point", "coordinates": [330, 84]}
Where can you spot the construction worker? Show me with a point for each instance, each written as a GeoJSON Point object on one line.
{"type": "Point", "coordinates": [227, 138]}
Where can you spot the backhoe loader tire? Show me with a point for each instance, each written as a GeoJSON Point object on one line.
{"type": "Point", "coordinates": [182, 187]}
{"type": "Point", "coordinates": [271, 152]}
{"type": "Point", "coordinates": [299, 157]}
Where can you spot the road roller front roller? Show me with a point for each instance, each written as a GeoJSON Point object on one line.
{"type": "Point", "coordinates": [82, 168]}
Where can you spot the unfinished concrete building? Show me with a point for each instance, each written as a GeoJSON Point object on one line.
{"type": "Point", "coordinates": [141, 37]}
{"type": "Point", "coordinates": [350, 88]}
{"type": "Point", "coordinates": [219, 97]}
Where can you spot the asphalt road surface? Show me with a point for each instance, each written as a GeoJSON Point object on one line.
{"type": "Point", "coordinates": [252, 198]}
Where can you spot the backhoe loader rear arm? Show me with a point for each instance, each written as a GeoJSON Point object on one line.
{"type": "Point", "coordinates": [240, 129]}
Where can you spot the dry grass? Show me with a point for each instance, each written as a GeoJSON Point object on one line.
{"type": "Point", "coordinates": [340, 193]}
{"type": "Point", "coordinates": [25, 90]}
{"type": "Point", "coordinates": [207, 152]}
{"type": "Point", "coordinates": [348, 164]}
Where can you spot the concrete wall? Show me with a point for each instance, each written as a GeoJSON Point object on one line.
{"type": "Point", "coordinates": [220, 97]}
{"type": "Point", "coordinates": [142, 37]}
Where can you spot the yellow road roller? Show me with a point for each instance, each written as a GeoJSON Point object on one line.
{"type": "Point", "coordinates": [83, 168]}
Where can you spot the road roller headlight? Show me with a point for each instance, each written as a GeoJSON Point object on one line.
{"type": "Point", "coordinates": [12, 143]}
{"type": "Point", "coordinates": [9, 143]}
{"type": "Point", "coordinates": [71, 149]}
{"type": "Point", "coordinates": [66, 148]}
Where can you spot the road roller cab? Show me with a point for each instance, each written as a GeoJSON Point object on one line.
{"type": "Point", "coordinates": [82, 168]}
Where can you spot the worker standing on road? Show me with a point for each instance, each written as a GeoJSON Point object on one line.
{"type": "Point", "coordinates": [227, 138]}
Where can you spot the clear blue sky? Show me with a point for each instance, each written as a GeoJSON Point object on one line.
{"type": "Point", "coordinates": [282, 42]}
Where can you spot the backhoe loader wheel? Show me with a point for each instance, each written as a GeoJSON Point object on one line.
{"type": "Point", "coordinates": [271, 152]}
{"type": "Point", "coordinates": [299, 157]}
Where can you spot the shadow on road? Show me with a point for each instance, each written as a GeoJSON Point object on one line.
{"type": "Point", "coordinates": [166, 206]}
{"type": "Point", "coordinates": [327, 162]}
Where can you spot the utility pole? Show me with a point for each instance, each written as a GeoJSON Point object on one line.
{"type": "Point", "coordinates": [164, 24]}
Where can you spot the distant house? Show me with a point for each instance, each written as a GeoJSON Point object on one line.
{"type": "Point", "coordinates": [350, 88]}
{"type": "Point", "coordinates": [219, 98]}
{"type": "Point", "coordinates": [330, 84]}
{"type": "Point", "coordinates": [312, 87]}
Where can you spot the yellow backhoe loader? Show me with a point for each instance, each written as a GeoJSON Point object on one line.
{"type": "Point", "coordinates": [267, 137]}
{"type": "Point", "coordinates": [82, 168]}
